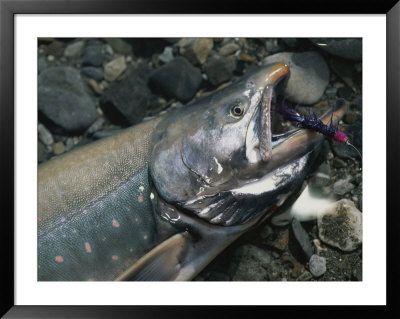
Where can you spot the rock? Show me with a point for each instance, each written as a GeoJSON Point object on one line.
{"type": "Point", "coordinates": [246, 58]}
{"type": "Point", "coordinates": [228, 49]}
{"type": "Point", "coordinates": [167, 55]}
{"type": "Point", "coordinates": [120, 46]}
{"type": "Point", "coordinates": [297, 268]}
{"type": "Point", "coordinates": [196, 50]}
{"type": "Point", "coordinates": [274, 46]}
{"type": "Point", "coordinates": [44, 135]}
{"type": "Point", "coordinates": [322, 176]}
{"type": "Point", "coordinates": [58, 148]}
{"type": "Point", "coordinates": [93, 72]}
{"type": "Point", "coordinates": [350, 117]}
{"type": "Point", "coordinates": [95, 86]}
{"type": "Point", "coordinates": [114, 68]}
{"type": "Point", "coordinates": [338, 163]}
{"type": "Point", "coordinates": [302, 237]}
{"type": "Point", "coordinates": [96, 126]}
{"type": "Point", "coordinates": [341, 226]}
{"type": "Point", "coordinates": [126, 102]}
{"type": "Point", "coordinates": [63, 100]}
{"type": "Point", "coordinates": [94, 55]}
{"type": "Point", "coordinates": [55, 48]}
{"type": "Point", "coordinates": [342, 187]}
{"type": "Point", "coordinates": [309, 75]}
{"type": "Point", "coordinates": [219, 69]}
{"type": "Point", "coordinates": [279, 240]}
{"type": "Point", "coordinates": [176, 79]}
{"type": "Point", "coordinates": [317, 265]}
{"type": "Point", "coordinates": [249, 264]}
{"type": "Point", "coordinates": [42, 152]}
{"type": "Point", "coordinates": [350, 48]}
{"type": "Point", "coordinates": [42, 64]}
{"type": "Point", "coordinates": [74, 50]}
{"type": "Point", "coordinates": [305, 276]}
{"type": "Point", "coordinates": [291, 42]}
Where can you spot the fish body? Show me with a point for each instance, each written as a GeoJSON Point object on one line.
{"type": "Point", "coordinates": [161, 199]}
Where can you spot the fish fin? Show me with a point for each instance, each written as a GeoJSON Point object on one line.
{"type": "Point", "coordinates": [160, 264]}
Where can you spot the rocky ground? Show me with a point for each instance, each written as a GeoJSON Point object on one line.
{"type": "Point", "coordinates": [92, 88]}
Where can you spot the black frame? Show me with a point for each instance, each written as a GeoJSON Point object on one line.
{"type": "Point", "coordinates": [8, 8]}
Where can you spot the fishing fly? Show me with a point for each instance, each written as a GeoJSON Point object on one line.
{"type": "Point", "coordinates": [312, 122]}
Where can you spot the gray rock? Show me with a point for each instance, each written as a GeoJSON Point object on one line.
{"type": "Point", "coordinates": [167, 55]}
{"type": "Point", "coordinates": [291, 42]}
{"type": "Point", "coordinates": [63, 99]}
{"type": "Point", "coordinates": [119, 46]}
{"type": "Point", "coordinates": [274, 46]}
{"type": "Point", "coordinates": [93, 72]}
{"type": "Point", "coordinates": [42, 152]}
{"type": "Point", "coordinates": [58, 148]}
{"type": "Point", "coordinates": [74, 50]}
{"type": "Point", "coordinates": [317, 265]}
{"type": "Point", "coordinates": [322, 176]}
{"type": "Point", "coordinates": [342, 187]}
{"type": "Point", "coordinates": [219, 69]}
{"type": "Point", "coordinates": [196, 50]}
{"type": "Point", "coordinates": [228, 49]}
{"type": "Point", "coordinates": [176, 79]}
{"type": "Point", "coordinates": [94, 55]}
{"type": "Point", "coordinates": [96, 126]}
{"type": "Point", "coordinates": [114, 68]}
{"type": "Point", "coordinates": [42, 64]}
{"type": "Point", "coordinates": [302, 237]}
{"type": "Point", "coordinates": [44, 135]}
{"type": "Point", "coordinates": [309, 75]}
{"type": "Point", "coordinates": [126, 102]}
{"type": "Point", "coordinates": [250, 263]}
{"type": "Point", "coordinates": [341, 226]}
{"type": "Point", "coordinates": [350, 48]}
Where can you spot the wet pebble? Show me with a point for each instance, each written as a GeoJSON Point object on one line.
{"type": "Point", "coordinates": [342, 187]}
{"type": "Point", "coordinates": [274, 46]}
{"type": "Point", "coordinates": [42, 152]}
{"type": "Point", "coordinates": [58, 148]}
{"type": "Point", "coordinates": [42, 64]}
{"type": "Point", "coordinates": [93, 72]}
{"type": "Point", "coordinates": [322, 176]}
{"type": "Point", "coordinates": [309, 75]}
{"type": "Point", "coordinates": [55, 48]}
{"type": "Point", "coordinates": [96, 126]}
{"type": "Point", "coordinates": [63, 99]}
{"type": "Point", "coordinates": [114, 68]}
{"type": "Point", "coordinates": [74, 49]}
{"type": "Point", "coordinates": [228, 49]}
{"type": "Point", "coordinates": [195, 50]}
{"type": "Point", "coordinates": [167, 55]}
{"type": "Point", "coordinates": [219, 69]}
{"type": "Point", "coordinates": [94, 55]}
{"type": "Point", "coordinates": [279, 239]}
{"type": "Point", "coordinates": [119, 46]}
{"type": "Point", "coordinates": [291, 42]}
{"type": "Point", "coordinates": [317, 265]}
{"type": "Point", "coordinates": [302, 237]}
{"type": "Point", "coordinates": [350, 48]}
{"type": "Point", "coordinates": [249, 263]}
{"type": "Point", "coordinates": [341, 226]}
{"type": "Point", "coordinates": [176, 79]}
{"type": "Point", "coordinates": [44, 135]}
{"type": "Point", "coordinates": [125, 102]}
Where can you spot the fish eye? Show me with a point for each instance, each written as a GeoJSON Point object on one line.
{"type": "Point", "coordinates": [237, 110]}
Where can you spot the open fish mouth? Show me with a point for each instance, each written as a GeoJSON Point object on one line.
{"type": "Point", "coordinates": [259, 132]}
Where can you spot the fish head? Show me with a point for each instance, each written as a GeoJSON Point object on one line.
{"type": "Point", "coordinates": [209, 155]}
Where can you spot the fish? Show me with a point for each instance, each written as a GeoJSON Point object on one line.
{"type": "Point", "coordinates": [161, 199]}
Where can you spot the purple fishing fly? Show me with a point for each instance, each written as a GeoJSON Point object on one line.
{"type": "Point", "coordinates": [312, 122]}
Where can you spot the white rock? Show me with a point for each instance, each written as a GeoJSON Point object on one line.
{"type": "Point", "coordinates": [114, 68]}
{"type": "Point", "coordinates": [341, 226]}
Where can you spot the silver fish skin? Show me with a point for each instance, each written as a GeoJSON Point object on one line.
{"type": "Point", "coordinates": [161, 199]}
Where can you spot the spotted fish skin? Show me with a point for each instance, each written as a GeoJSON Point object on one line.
{"type": "Point", "coordinates": [89, 229]}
